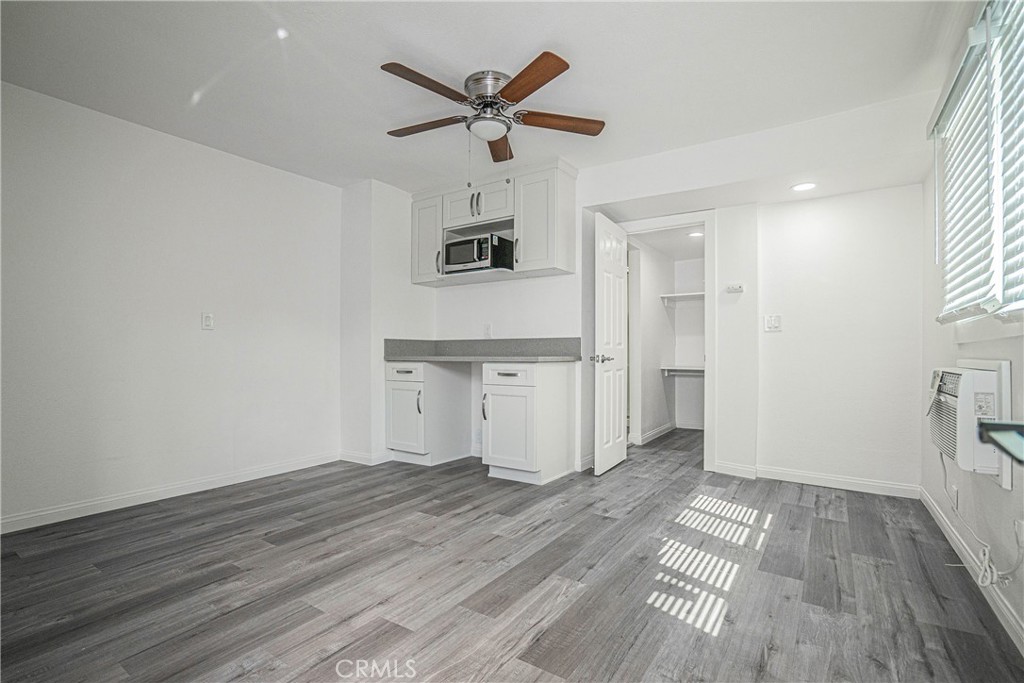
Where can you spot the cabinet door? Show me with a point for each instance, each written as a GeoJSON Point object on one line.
{"type": "Point", "coordinates": [536, 212]}
{"type": "Point", "coordinates": [489, 202]}
{"type": "Point", "coordinates": [426, 239]}
{"type": "Point", "coordinates": [494, 201]}
{"type": "Point", "coordinates": [404, 407]}
{"type": "Point", "coordinates": [509, 429]}
{"type": "Point", "coordinates": [459, 208]}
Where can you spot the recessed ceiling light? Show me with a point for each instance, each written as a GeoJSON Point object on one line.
{"type": "Point", "coordinates": [696, 234]}
{"type": "Point", "coordinates": [282, 33]}
{"type": "Point", "coordinates": [803, 187]}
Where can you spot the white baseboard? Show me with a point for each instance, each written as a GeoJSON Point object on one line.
{"type": "Point", "coordinates": [1011, 621]}
{"type": "Point", "coordinates": [586, 462]}
{"type": "Point", "coordinates": [523, 477]}
{"type": "Point", "coordinates": [736, 470]}
{"type": "Point", "coordinates": [837, 481]}
{"type": "Point", "coordinates": [690, 425]}
{"type": "Point", "coordinates": [60, 513]}
{"type": "Point", "coordinates": [653, 434]}
{"type": "Point", "coordinates": [366, 458]}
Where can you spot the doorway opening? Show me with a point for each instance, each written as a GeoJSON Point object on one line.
{"type": "Point", "coordinates": [666, 331]}
{"type": "Point", "coordinates": [670, 328]}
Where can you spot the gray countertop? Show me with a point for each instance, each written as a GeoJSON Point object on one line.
{"type": "Point", "coordinates": [485, 359]}
{"type": "Point", "coordinates": [525, 350]}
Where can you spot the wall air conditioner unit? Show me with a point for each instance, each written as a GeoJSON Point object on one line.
{"type": "Point", "coordinates": [960, 397]}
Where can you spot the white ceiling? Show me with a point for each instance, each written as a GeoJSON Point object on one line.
{"type": "Point", "coordinates": [674, 243]}
{"type": "Point", "coordinates": [663, 75]}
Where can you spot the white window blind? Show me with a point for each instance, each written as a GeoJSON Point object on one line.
{"type": "Point", "coordinates": [980, 132]}
{"type": "Point", "coordinates": [968, 279]}
{"type": "Point", "coordinates": [1011, 53]}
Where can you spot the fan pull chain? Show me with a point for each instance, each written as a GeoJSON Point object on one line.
{"type": "Point", "coordinates": [469, 159]}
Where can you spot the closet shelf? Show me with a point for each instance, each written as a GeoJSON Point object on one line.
{"type": "Point", "coordinates": [681, 296]}
{"type": "Point", "coordinates": [672, 370]}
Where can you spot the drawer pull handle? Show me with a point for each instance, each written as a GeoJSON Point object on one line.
{"type": "Point", "coordinates": [404, 372]}
{"type": "Point", "coordinates": [508, 374]}
{"type": "Point", "coordinates": [437, 262]}
{"type": "Point", "coordinates": [483, 406]}
{"type": "Point", "coordinates": [419, 408]}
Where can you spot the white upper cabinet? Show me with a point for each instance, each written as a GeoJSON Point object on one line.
{"type": "Point", "coordinates": [489, 202]}
{"type": "Point", "coordinates": [540, 244]}
{"type": "Point", "coordinates": [536, 210]}
{"type": "Point", "coordinates": [426, 240]}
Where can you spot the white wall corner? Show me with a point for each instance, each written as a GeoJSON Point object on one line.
{"type": "Point", "coordinates": [1011, 620]}
{"type": "Point", "coordinates": [586, 462]}
{"type": "Point", "coordinates": [735, 469]}
{"type": "Point", "coordinates": [653, 434]}
{"type": "Point", "coordinates": [364, 458]}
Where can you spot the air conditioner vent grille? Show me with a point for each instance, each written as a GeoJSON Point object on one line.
{"type": "Point", "coordinates": [943, 427]}
{"type": "Point", "coordinates": [950, 383]}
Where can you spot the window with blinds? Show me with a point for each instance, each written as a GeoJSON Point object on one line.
{"type": "Point", "coordinates": [980, 129]}
{"type": "Point", "coordinates": [1011, 52]}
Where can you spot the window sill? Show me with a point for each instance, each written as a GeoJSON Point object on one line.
{"type": "Point", "coordinates": [989, 328]}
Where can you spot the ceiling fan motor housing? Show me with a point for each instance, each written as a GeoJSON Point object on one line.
{"type": "Point", "coordinates": [483, 87]}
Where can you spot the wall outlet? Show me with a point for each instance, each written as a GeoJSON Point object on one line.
{"type": "Point", "coordinates": [773, 323]}
{"type": "Point", "coordinates": [206, 321]}
{"type": "Point", "coordinates": [955, 496]}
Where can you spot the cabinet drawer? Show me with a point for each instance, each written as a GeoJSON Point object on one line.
{"type": "Point", "coordinates": [509, 374]}
{"type": "Point", "coordinates": [404, 372]}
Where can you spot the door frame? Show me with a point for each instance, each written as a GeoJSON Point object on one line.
{"type": "Point", "coordinates": [705, 219]}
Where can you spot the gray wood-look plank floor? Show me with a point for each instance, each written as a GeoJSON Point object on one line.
{"type": "Point", "coordinates": [655, 571]}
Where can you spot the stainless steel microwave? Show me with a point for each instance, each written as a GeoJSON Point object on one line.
{"type": "Point", "coordinates": [478, 253]}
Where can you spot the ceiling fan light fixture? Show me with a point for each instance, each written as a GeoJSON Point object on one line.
{"type": "Point", "coordinates": [488, 128]}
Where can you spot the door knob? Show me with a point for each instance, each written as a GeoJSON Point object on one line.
{"type": "Point", "coordinates": [601, 359]}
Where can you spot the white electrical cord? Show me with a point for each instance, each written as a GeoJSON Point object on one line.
{"type": "Point", "coordinates": [988, 574]}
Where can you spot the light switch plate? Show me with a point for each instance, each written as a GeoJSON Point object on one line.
{"type": "Point", "coordinates": [773, 323]}
{"type": "Point", "coordinates": [206, 321]}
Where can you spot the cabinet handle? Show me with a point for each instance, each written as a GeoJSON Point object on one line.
{"type": "Point", "coordinates": [515, 249]}
{"type": "Point", "coordinates": [472, 204]}
{"type": "Point", "coordinates": [404, 372]}
{"type": "Point", "coordinates": [483, 406]}
{"type": "Point", "coordinates": [479, 203]}
{"type": "Point", "coordinates": [419, 408]}
{"type": "Point", "coordinates": [508, 374]}
{"type": "Point", "coordinates": [437, 262]}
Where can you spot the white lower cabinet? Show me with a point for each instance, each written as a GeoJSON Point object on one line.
{"type": "Point", "coordinates": [427, 412]}
{"type": "Point", "coordinates": [405, 423]}
{"type": "Point", "coordinates": [528, 415]}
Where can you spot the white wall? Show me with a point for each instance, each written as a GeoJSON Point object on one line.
{"type": "Point", "coordinates": [355, 256]}
{"type": "Point", "coordinates": [736, 355]}
{"type": "Point", "coordinates": [400, 309]}
{"type": "Point", "coordinates": [840, 385]}
{"type": "Point", "coordinates": [378, 302]}
{"type": "Point", "coordinates": [532, 307]}
{"type": "Point", "coordinates": [116, 237]}
{"type": "Point", "coordinates": [656, 341]}
{"type": "Point", "coordinates": [989, 509]}
{"type": "Point", "coordinates": [689, 344]}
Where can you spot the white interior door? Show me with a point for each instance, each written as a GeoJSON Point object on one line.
{"type": "Point", "coordinates": [610, 351]}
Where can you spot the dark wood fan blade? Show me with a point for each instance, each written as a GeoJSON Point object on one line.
{"type": "Point", "coordinates": [501, 149]}
{"type": "Point", "coordinates": [425, 82]}
{"type": "Point", "coordinates": [569, 124]}
{"type": "Point", "coordinates": [535, 76]}
{"type": "Point", "coordinates": [429, 125]}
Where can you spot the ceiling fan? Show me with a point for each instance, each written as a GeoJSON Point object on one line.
{"type": "Point", "coordinates": [490, 94]}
